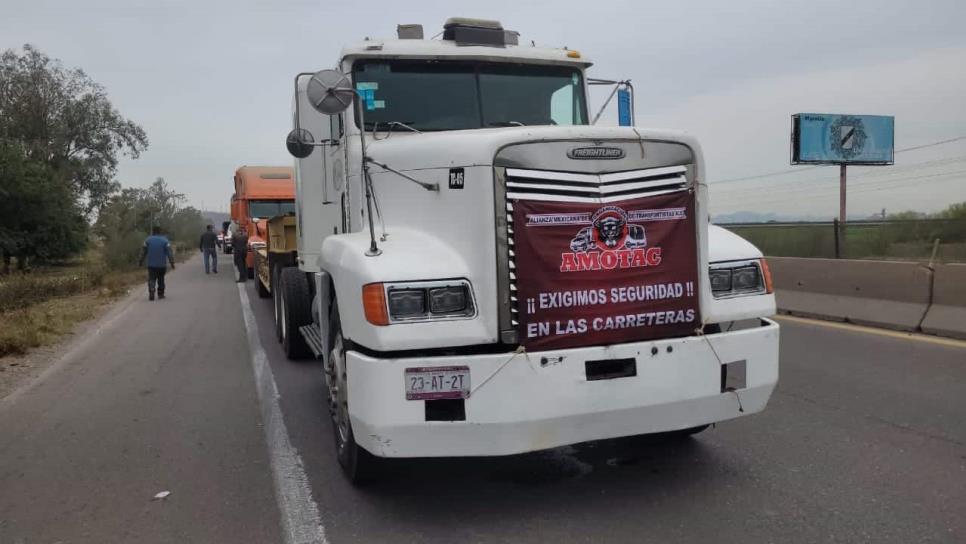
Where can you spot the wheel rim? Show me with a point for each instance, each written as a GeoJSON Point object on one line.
{"type": "Point", "coordinates": [275, 298]}
{"type": "Point", "coordinates": [338, 392]}
{"type": "Point", "coordinates": [281, 303]}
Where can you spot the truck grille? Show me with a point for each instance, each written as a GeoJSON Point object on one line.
{"type": "Point", "coordinates": [601, 188]}
{"type": "Point", "coordinates": [547, 185]}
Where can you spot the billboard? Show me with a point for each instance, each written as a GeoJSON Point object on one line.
{"type": "Point", "coordinates": [605, 273]}
{"type": "Point", "coordinates": [822, 138]}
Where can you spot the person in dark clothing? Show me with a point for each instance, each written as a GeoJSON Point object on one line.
{"type": "Point", "coordinates": [156, 250]}
{"type": "Point", "coordinates": [209, 248]}
{"type": "Point", "coordinates": [239, 245]}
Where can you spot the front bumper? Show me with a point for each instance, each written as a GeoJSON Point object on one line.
{"type": "Point", "coordinates": [544, 400]}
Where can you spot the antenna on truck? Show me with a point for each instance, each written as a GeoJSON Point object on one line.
{"type": "Point", "coordinates": [331, 92]}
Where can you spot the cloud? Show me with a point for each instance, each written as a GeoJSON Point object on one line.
{"type": "Point", "coordinates": [745, 130]}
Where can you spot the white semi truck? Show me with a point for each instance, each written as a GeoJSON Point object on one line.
{"type": "Point", "coordinates": [483, 271]}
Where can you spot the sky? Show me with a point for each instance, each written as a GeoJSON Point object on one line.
{"type": "Point", "coordinates": [211, 81]}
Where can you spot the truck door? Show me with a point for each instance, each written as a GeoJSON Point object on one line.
{"type": "Point", "coordinates": [317, 201]}
{"type": "Point", "coordinates": [336, 171]}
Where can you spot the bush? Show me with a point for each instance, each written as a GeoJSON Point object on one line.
{"type": "Point", "coordinates": [122, 250]}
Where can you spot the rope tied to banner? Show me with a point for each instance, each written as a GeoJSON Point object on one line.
{"type": "Point", "coordinates": [500, 368]}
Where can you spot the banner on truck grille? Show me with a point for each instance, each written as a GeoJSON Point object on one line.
{"type": "Point", "coordinates": [590, 274]}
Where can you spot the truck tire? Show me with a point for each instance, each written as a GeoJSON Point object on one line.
{"type": "Point", "coordinates": [357, 464]}
{"type": "Point", "coordinates": [277, 300]}
{"type": "Point", "coordinates": [295, 312]}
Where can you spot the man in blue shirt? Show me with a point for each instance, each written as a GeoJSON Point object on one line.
{"type": "Point", "coordinates": [157, 250]}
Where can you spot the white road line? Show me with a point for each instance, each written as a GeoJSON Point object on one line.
{"type": "Point", "coordinates": [300, 515]}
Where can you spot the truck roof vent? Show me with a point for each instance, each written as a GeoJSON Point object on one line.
{"type": "Point", "coordinates": [409, 32]}
{"type": "Point", "coordinates": [466, 31]}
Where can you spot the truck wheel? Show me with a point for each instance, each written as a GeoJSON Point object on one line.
{"type": "Point", "coordinates": [357, 464]}
{"type": "Point", "coordinates": [277, 300]}
{"type": "Point", "coordinates": [295, 312]}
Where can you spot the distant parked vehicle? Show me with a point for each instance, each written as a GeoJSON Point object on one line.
{"type": "Point", "coordinates": [225, 237]}
{"type": "Point", "coordinates": [261, 192]}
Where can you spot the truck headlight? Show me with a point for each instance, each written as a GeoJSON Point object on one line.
{"type": "Point", "coordinates": [720, 280]}
{"type": "Point", "coordinates": [407, 303]}
{"type": "Point", "coordinates": [449, 300]}
{"type": "Point", "coordinates": [736, 278]}
{"type": "Point", "coordinates": [746, 278]}
{"type": "Point", "coordinates": [403, 302]}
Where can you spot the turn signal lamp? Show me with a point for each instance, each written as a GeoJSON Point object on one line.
{"type": "Point", "coordinates": [374, 304]}
{"type": "Point", "coordinates": [766, 272]}
{"type": "Point", "coordinates": [573, 54]}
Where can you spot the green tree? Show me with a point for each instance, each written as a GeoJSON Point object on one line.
{"type": "Point", "coordinates": [65, 121]}
{"type": "Point", "coordinates": [127, 217]}
{"type": "Point", "coordinates": [40, 217]}
{"type": "Point", "coordinates": [954, 211]}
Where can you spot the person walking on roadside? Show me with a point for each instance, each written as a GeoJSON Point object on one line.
{"type": "Point", "coordinates": [209, 248]}
{"type": "Point", "coordinates": [157, 252]}
{"type": "Point", "coordinates": [239, 249]}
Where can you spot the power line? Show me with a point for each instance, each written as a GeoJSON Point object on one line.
{"type": "Point", "coordinates": [806, 168]}
{"type": "Point", "coordinates": [941, 142]}
{"type": "Point", "coordinates": [867, 187]}
{"type": "Point", "coordinates": [809, 184]}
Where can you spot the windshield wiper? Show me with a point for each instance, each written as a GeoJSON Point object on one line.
{"type": "Point", "coordinates": [392, 125]}
{"type": "Point", "coordinates": [505, 124]}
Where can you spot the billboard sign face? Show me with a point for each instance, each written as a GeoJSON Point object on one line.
{"type": "Point", "coordinates": [821, 138]}
{"type": "Point", "coordinates": [590, 273]}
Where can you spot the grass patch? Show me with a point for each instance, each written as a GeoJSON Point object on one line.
{"type": "Point", "coordinates": [39, 307]}
{"type": "Point", "coordinates": [904, 240]}
{"type": "Point", "coordinates": [44, 323]}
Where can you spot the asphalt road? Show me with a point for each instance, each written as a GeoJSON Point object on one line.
{"type": "Point", "coordinates": [863, 441]}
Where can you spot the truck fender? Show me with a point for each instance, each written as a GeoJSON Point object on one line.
{"type": "Point", "coordinates": [321, 305]}
{"type": "Point", "coordinates": [407, 255]}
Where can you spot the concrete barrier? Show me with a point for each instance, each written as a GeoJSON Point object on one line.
{"type": "Point", "coordinates": [886, 294]}
{"type": "Point", "coordinates": [947, 315]}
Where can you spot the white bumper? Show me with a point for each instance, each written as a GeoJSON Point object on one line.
{"type": "Point", "coordinates": [544, 400]}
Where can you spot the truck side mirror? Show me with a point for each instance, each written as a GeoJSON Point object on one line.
{"type": "Point", "coordinates": [300, 143]}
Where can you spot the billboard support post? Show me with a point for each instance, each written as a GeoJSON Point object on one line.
{"type": "Point", "coordinates": [842, 218]}
{"type": "Point", "coordinates": [840, 234]}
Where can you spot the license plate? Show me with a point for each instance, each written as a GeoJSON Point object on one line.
{"type": "Point", "coordinates": [444, 382]}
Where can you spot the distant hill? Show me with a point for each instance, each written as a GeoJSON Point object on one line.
{"type": "Point", "coordinates": [755, 217]}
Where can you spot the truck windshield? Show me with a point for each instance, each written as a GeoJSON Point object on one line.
{"type": "Point", "coordinates": [270, 208]}
{"type": "Point", "coordinates": [429, 95]}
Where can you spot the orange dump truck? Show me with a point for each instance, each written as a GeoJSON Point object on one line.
{"type": "Point", "coordinates": [261, 192]}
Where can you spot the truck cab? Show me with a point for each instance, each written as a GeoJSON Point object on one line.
{"type": "Point", "coordinates": [261, 192]}
{"type": "Point", "coordinates": [496, 273]}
